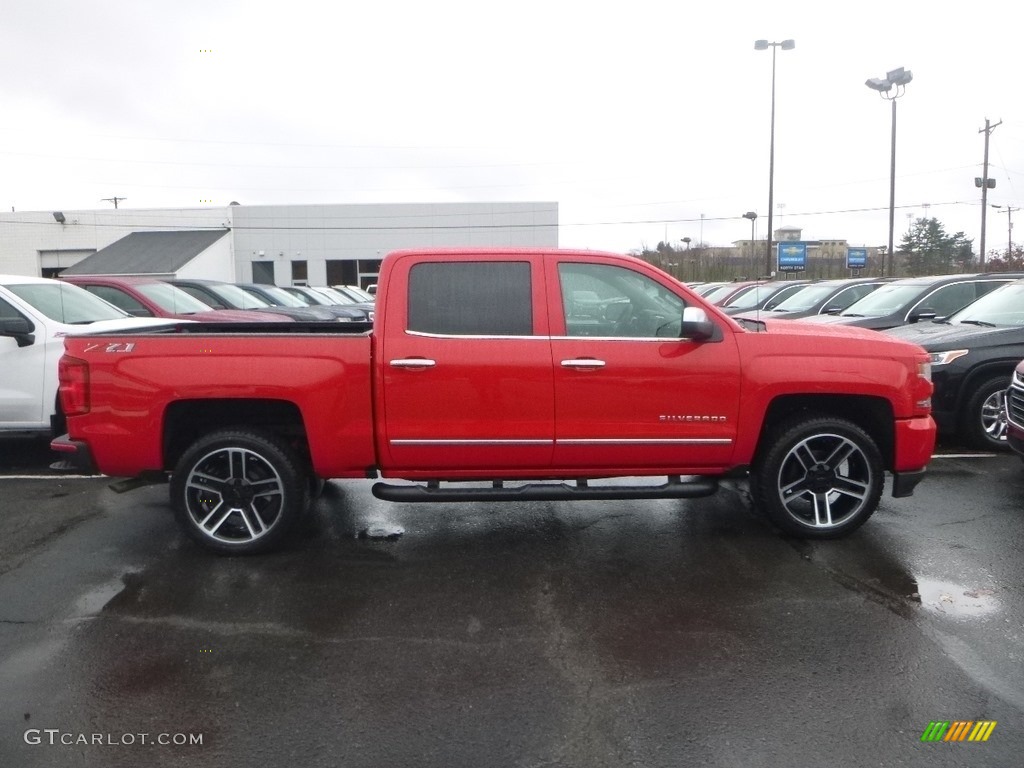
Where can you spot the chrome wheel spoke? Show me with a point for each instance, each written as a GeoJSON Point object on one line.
{"type": "Point", "coordinates": [851, 487]}
{"type": "Point", "coordinates": [842, 452]}
{"type": "Point", "coordinates": [802, 453]}
{"type": "Point", "coordinates": [249, 516]}
{"type": "Point", "coordinates": [213, 528]}
{"type": "Point", "coordinates": [797, 486]}
{"type": "Point", "coordinates": [822, 506]}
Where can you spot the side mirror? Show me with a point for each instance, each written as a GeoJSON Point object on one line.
{"type": "Point", "coordinates": [830, 310]}
{"type": "Point", "coordinates": [20, 328]}
{"type": "Point", "coordinates": [695, 325]}
{"type": "Point", "coordinates": [926, 313]}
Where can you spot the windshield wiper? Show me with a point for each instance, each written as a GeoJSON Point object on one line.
{"type": "Point", "coordinates": [851, 314]}
{"type": "Point", "coordinates": [984, 323]}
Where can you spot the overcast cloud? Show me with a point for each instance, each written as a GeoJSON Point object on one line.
{"type": "Point", "coordinates": [636, 118]}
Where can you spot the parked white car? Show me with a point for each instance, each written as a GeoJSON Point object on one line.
{"type": "Point", "coordinates": [35, 315]}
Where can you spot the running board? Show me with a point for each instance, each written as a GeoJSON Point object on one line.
{"type": "Point", "coordinates": [673, 489]}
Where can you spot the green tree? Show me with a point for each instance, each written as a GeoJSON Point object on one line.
{"type": "Point", "coordinates": [928, 250]}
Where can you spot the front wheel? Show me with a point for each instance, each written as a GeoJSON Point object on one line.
{"type": "Point", "coordinates": [238, 492]}
{"type": "Point", "coordinates": [984, 419]}
{"type": "Point", "coordinates": [820, 478]}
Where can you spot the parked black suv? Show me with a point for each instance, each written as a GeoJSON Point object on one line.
{"type": "Point", "coordinates": [973, 354]}
{"type": "Point", "coordinates": [914, 299]}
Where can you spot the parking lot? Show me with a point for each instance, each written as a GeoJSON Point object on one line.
{"type": "Point", "coordinates": [660, 633]}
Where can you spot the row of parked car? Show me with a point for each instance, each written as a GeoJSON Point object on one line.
{"type": "Point", "coordinates": [212, 300]}
{"type": "Point", "coordinates": [37, 313]}
{"type": "Point", "coordinates": [971, 325]}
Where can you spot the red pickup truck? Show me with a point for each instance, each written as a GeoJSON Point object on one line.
{"type": "Point", "coordinates": [534, 373]}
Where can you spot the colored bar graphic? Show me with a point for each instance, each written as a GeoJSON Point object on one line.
{"type": "Point", "coordinates": [982, 730]}
{"type": "Point", "coordinates": [958, 730]}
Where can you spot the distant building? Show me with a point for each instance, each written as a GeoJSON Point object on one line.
{"type": "Point", "coordinates": [282, 244]}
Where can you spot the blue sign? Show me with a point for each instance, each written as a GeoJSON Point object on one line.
{"type": "Point", "coordinates": [792, 257]}
{"type": "Point", "coordinates": [856, 258]}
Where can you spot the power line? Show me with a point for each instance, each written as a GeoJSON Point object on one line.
{"type": "Point", "coordinates": [421, 227]}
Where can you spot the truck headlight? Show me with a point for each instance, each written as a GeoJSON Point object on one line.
{"type": "Point", "coordinates": [945, 358]}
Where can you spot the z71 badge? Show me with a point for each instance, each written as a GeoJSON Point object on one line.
{"type": "Point", "coordinates": [117, 346]}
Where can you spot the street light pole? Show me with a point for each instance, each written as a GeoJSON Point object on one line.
{"type": "Point", "coordinates": [762, 45]}
{"type": "Point", "coordinates": [752, 215]}
{"type": "Point", "coordinates": [897, 78]}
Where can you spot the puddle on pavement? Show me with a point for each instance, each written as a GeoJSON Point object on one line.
{"type": "Point", "coordinates": [385, 532]}
{"type": "Point", "coordinates": [93, 601]}
{"type": "Point", "coordinates": [956, 600]}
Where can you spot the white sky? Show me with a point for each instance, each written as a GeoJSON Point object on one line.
{"type": "Point", "coordinates": [635, 117]}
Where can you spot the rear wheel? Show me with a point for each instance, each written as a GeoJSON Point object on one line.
{"type": "Point", "coordinates": [820, 478]}
{"type": "Point", "coordinates": [984, 418]}
{"type": "Point", "coordinates": [238, 492]}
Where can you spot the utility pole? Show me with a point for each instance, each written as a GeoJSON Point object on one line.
{"type": "Point", "coordinates": [1009, 228]}
{"type": "Point", "coordinates": [985, 183]}
{"type": "Point", "coordinates": [113, 200]}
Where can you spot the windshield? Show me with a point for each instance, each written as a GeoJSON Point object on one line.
{"type": "Point", "coordinates": [355, 292]}
{"type": "Point", "coordinates": [66, 303]}
{"type": "Point", "coordinates": [238, 298]}
{"type": "Point", "coordinates": [1003, 306]}
{"type": "Point", "coordinates": [170, 298]}
{"type": "Point", "coordinates": [334, 296]}
{"type": "Point", "coordinates": [806, 298]}
{"type": "Point", "coordinates": [756, 296]}
{"type": "Point", "coordinates": [312, 297]}
{"type": "Point", "coordinates": [886, 300]}
{"type": "Point", "coordinates": [719, 292]}
{"type": "Point", "coordinates": [280, 295]}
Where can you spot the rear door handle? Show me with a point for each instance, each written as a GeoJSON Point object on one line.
{"type": "Point", "coordinates": [583, 362]}
{"type": "Point", "coordinates": [413, 362]}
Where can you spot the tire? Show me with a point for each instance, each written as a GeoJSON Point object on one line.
{"type": "Point", "coordinates": [819, 478]}
{"type": "Point", "coordinates": [238, 492]}
{"type": "Point", "coordinates": [983, 425]}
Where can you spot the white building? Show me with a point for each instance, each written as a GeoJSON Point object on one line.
{"type": "Point", "coordinates": [283, 244]}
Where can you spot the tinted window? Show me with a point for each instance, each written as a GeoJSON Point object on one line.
{"type": "Point", "coordinates": [491, 298]}
{"type": "Point", "coordinates": [119, 299]}
{"type": "Point", "coordinates": [7, 312]}
{"type": "Point", "coordinates": [204, 296]}
{"type": "Point", "coordinates": [948, 299]}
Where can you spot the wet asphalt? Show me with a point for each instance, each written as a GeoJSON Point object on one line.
{"type": "Point", "coordinates": [657, 633]}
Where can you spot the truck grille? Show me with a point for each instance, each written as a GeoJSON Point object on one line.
{"type": "Point", "coordinates": [1015, 401]}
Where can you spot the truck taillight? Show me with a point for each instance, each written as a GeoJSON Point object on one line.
{"type": "Point", "coordinates": [73, 375]}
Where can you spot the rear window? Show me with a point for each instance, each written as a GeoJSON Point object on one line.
{"type": "Point", "coordinates": [491, 298]}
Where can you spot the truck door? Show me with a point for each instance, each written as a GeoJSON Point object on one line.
{"type": "Point", "coordinates": [22, 370]}
{"type": "Point", "coordinates": [630, 394]}
{"type": "Point", "coordinates": [464, 370]}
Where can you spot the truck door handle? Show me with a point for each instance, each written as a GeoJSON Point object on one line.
{"type": "Point", "coordinates": [413, 362]}
{"type": "Point", "coordinates": [583, 362]}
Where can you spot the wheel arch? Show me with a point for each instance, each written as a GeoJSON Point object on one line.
{"type": "Point", "coordinates": [977, 376]}
{"type": "Point", "coordinates": [186, 421]}
{"type": "Point", "coordinates": [872, 414]}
